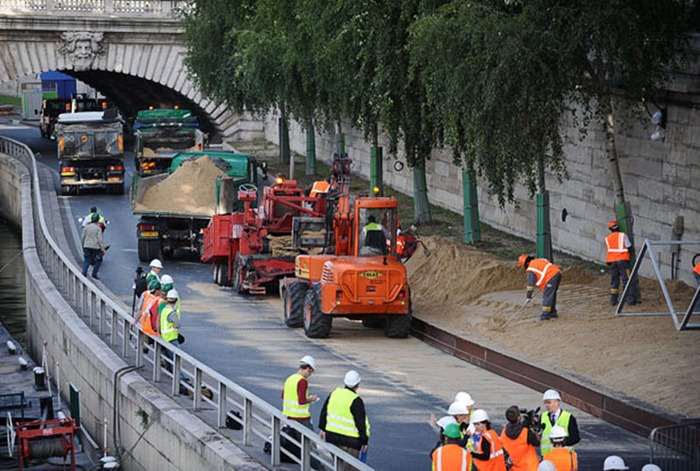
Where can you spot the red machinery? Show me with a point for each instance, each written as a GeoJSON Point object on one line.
{"type": "Point", "coordinates": [238, 244]}
{"type": "Point", "coordinates": [46, 438]}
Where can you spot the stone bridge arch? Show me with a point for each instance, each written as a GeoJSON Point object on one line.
{"type": "Point", "coordinates": [134, 60]}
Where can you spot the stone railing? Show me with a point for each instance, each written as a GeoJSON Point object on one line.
{"type": "Point", "coordinates": [163, 8]}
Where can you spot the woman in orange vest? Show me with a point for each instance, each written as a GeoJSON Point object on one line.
{"type": "Point", "coordinates": [547, 276]}
{"type": "Point", "coordinates": [488, 455]}
{"type": "Point", "coordinates": [520, 442]}
{"type": "Point", "coordinates": [618, 246]}
{"type": "Point", "coordinates": [562, 458]}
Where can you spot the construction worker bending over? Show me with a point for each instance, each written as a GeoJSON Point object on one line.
{"type": "Point", "coordinates": [562, 458]}
{"type": "Point", "coordinates": [154, 274]}
{"type": "Point", "coordinates": [618, 247]}
{"type": "Point", "coordinates": [547, 276]}
{"type": "Point", "coordinates": [295, 396]}
{"type": "Point", "coordinates": [614, 463]}
{"type": "Point", "coordinates": [554, 415]}
{"type": "Point", "coordinates": [451, 456]}
{"type": "Point", "coordinates": [520, 442]}
{"type": "Point", "coordinates": [488, 455]}
{"type": "Point", "coordinates": [344, 421]}
{"type": "Point", "coordinates": [696, 272]}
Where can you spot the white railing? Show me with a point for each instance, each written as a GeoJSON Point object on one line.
{"type": "Point", "coordinates": [164, 8]}
{"type": "Point", "coordinates": [260, 421]}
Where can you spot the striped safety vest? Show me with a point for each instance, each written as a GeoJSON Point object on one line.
{"type": "Point", "coordinates": [148, 300]}
{"type": "Point", "coordinates": [450, 457]}
{"type": "Point", "coordinates": [497, 460]}
{"type": "Point", "coordinates": [617, 251]}
{"type": "Point", "coordinates": [562, 420]}
{"type": "Point", "coordinates": [544, 270]}
{"type": "Point", "coordinates": [340, 419]}
{"type": "Point", "coordinates": [290, 404]}
{"type": "Point", "coordinates": [563, 459]}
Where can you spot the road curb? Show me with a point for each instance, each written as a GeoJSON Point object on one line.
{"type": "Point", "coordinates": [629, 413]}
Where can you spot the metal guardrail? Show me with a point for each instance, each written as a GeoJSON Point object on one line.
{"type": "Point", "coordinates": [109, 320]}
{"type": "Point", "coordinates": [676, 447]}
{"type": "Point", "coordinates": [162, 8]}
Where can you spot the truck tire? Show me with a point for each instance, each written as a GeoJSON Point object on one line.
{"type": "Point", "coordinates": [221, 274]}
{"type": "Point", "coordinates": [294, 297]}
{"type": "Point", "coordinates": [67, 190]}
{"type": "Point", "coordinates": [238, 274]}
{"type": "Point", "coordinates": [215, 267]}
{"type": "Point", "coordinates": [317, 325]}
{"type": "Point", "coordinates": [116, 189]}
{"type": "Point", "coordinates": [149, 249]}
{"type": "Point", "coordinates": [398, 326]}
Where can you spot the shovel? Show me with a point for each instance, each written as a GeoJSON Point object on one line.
{"type": "Point", "coordinates": [517, 311]}
{"type": "Point", "coordinates": [426, 252]}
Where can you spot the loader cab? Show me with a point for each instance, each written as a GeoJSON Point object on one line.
{"type": "Point", "coordinates": [376, 228]}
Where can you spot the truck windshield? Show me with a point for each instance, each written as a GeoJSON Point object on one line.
{"type": "Point", "coordinates": [377, 231]}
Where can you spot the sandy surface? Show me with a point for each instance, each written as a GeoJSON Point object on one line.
{"type": "Point", "coordinates": [473, 294]}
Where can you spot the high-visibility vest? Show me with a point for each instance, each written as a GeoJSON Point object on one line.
{"type": "Point", "coordinates": [523, 455]}
{"type": "Point", "coordinates": [497, 460]}
{"type": "Point", "coordinates": [148, 300]}
{"type": "Point", "coordinates": [290, 402]}
{"type": "Point", "coordinates": [617, 251]}
{"type": "Point", "coordinates": [340, 419]}
{"type": "Point", "coordinates": [319, 187]}
{"type": "Point", "coordinates": [697, 269]}
{"type": "Point", "coordinates": [450, 457]}
{"type": "Point", "coordinates": [167, 329]}
{"type": "Point", "coordinates": [563, 459]}
{"type": "Point", "coordinates": [562, 420]}
{"type": "Point", "coordinates": [544, 270]}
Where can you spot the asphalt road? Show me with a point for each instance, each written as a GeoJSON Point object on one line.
{"type": "Point", "coordinates": [244, 338]}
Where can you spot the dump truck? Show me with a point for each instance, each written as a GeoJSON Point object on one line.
{"type": "Point", "coordinates": [247, 249]}
{"type": "Point", "coordinates": [160, 135]}
{"type": "Point", "coordinates": [90, 151]}
{"type": "Point", "coordinates": [52, 108]}
{"type": "Point", "coordinates": [358, 275]}
{"type": "Point", "coordinates": [169, 219]}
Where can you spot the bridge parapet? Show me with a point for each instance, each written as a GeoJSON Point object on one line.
{"type": "Point", "coordinates": [156, 8]}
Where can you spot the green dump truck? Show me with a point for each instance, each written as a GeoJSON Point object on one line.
{"type": "Point", "coordinates": [160, 135]}
{"type": "Point", "coordinates": [174, 207]}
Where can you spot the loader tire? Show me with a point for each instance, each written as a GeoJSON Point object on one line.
{"type": "Point", "coordinates": [398, 326]}
{"type": "Point", "coordinates": [317, 325]}
{"type": "Point", "coordinates": [294, 297]}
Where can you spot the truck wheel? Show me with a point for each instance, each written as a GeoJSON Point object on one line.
{"type": "Point", "coordinates": [294, 297]}
{"type": "Point", "coordinates": [116, 189]}
{"type": "Point", "coordinates": [67, 190]}
{"type": "Point", "coordinates": [215, 267]}
{"type": "Point", "coordinates": [317, 325]}
{"type": "Point", "coordinates": [398, 326]}
{"type": "Point", "coordinates": [238, 274]}
{"type": "Point", "coordinates": [221, 274]}
{"type": "Point", "coordinates": [150, 249]}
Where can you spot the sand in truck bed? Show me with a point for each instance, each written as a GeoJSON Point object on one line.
{"type": "Point", "coordinates": [472, 294]}
{"type": "Point", "coordinates": [190, 189]}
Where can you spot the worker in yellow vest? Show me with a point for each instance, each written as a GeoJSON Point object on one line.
{"type": "Point", "coordinates": [554, 415]}
{"type": "Point", "coordinates": [170, 328]}
{"type": "Point", "coordinates": [617, 257]}
{"type": "Point", "coordinates": [295, 396]}
{"type": "Point", "coordinates": [343, 421]}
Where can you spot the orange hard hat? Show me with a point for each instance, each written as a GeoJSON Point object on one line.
{"type": "Point", "coordinates": [522, 259]}
{"type": "Point", "coordinates": [613, 225]}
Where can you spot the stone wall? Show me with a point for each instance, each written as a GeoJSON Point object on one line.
{"type": "Point", "coordinates": [174, 439]}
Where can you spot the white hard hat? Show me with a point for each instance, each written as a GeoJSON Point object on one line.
{"type": "Point", "coordinates": [650, 467]}
{"type": "Point", "coordinates": [457, 408]}
{"type": "Point", "coordinates": [166, 279]}
{"type": "Point", "coordinates": [551, 394]}
{"type": "Point", "coordinates": [156, 263]}
{"type": "Point", "coordinates": [352, 378]}
{"type": "Point", "coordinates": [557, 433]}
{"type": "Point", "coordinates": [465, 398]}
{"type": "Point", "coordinates": [614, 463]}
{"type": "Point", "coordinates": [479, 415]}
{"type": "Point", "coordinates": [308, 360]}
{"type": "Point", "coordinates": [546, 466]}
{"type": "Point", "coordinates": [172, 294]}
{"type": "Point", "coordinates": [444, 421]}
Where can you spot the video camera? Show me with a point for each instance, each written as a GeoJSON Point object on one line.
{"type": "Point", "coordinates": [531, 419]}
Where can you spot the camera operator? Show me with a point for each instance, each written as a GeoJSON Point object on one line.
{"type": "Point", "coordinates": [520, 441]}
{"type": "Point", "coordinates": [556, 416]}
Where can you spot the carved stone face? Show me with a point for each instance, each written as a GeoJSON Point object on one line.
{"type": "Point", "coordinates": [81, 48]}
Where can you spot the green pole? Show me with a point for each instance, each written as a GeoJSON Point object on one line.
{"type": "Point", "coordinates": [376, 170]}
{"type": "Point", "coordinates": [341, 145]}
{"type": "Point", "coordinates": [310, 150]}
{"type": "Point", "coordinates": [472, 230]}
{"type": "Point", "coordinates": [544, 235]}
{"type": "Point", "coordinates": [626, 223]}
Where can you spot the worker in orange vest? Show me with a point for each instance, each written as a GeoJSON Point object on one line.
{"type": "Point", "coordinates": [563, 458]}
{"type": "Point", "coordinates": [489, 454]}
{"type": "Point", "coordinates": [451, 456]}
{"type": "Point", "coordinates": [545, 275]}
{"type": "Point", "coordinates": [520, 442]}
{"type": "Point", "coordinates": [696, 272]}
{"type": "Point", "coordinates": [618, 247]}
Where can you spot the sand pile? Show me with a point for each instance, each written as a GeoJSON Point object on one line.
{"type": "Point", "coordinates": [472, 294]}
{"type": "Point", "coordinates": [190, 189]}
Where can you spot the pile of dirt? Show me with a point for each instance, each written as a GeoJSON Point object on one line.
{"type": "Point", "coordinates": [473, 294]}
{"type": "Point", "coordinates": [190, 189]}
